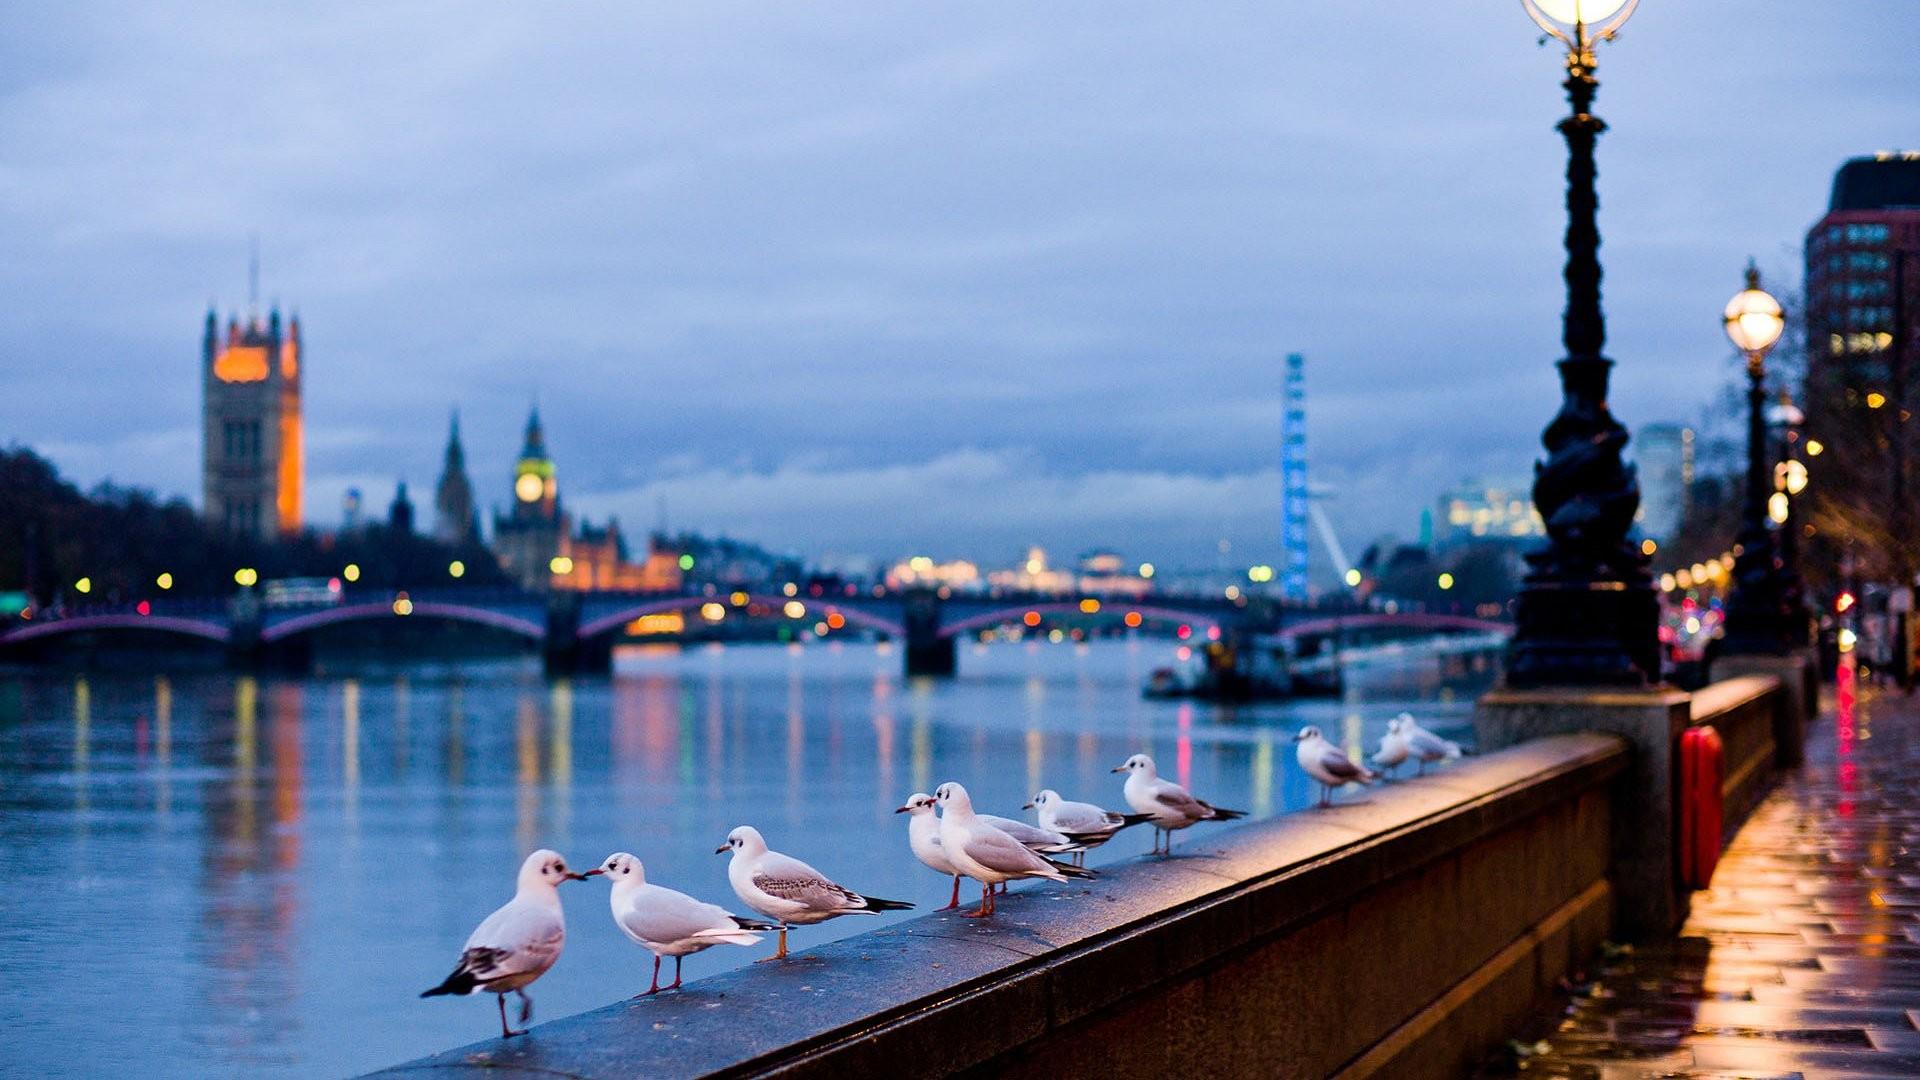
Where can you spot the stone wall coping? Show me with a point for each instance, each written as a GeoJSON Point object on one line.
{"type": "Point", "coordinates": [1718, 698]}
{"type": "Point", "coordinates": [1559, 696]}
{"type": "Point", "coordinates": [1053, 953]}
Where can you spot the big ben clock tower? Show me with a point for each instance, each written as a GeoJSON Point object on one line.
{"type": "Point", "coordinates": [529, 537]}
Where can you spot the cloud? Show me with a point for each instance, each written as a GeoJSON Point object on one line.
{"type": "Point", "coordinates": [809, 244]}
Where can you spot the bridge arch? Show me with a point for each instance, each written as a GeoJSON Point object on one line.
{"type": "Point", "coordinates": [421, 609]}
{"type": "Point", "coordinates": [856, 615]}
{"type": "Point", "coordinates": [79, 624]}
{"type": "Point", "coordinates": [1108, 612]}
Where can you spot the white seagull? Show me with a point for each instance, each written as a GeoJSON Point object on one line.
{"type": "Point", "coordinates": [787, 890]}
{"type": "Point", "coordinates": [1425, 745]}
{"type": "Point", "coordinates": [1166, 804]}
{"type": "Point", "coordinates": [1393, 746]}
{"type": "Point", "coordinates": [518, 943]}
{"type": "Point", "coordinates": [985, 853]}
{"type": "Point", "coordinates": [1090, 825]}
{"type": "Point", "coordinates": [669, 923]}
{"type": "Point", "coordinates": [923, 836]}
{"type": "Point", "coordinates": [1327, 763]}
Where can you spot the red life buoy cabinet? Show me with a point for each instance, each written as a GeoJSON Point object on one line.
{"type": "Point", "coordinates": [1702, 771]}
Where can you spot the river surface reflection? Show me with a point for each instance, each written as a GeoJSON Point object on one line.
{"type": "Point", "coordinates": [215, 874]}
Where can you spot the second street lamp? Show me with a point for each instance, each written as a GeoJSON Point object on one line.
{"type": "Point", "coordinates": [1757, 617]}
{"type": "Point", "coordinates": [1587, 614]}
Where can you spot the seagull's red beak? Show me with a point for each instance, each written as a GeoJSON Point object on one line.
{"type": "Point", "coordinates": [595, 872]}
{"type": "Point", "coordinates": [571, 876]}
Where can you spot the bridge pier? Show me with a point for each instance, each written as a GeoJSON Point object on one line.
{"type": "Point", "coordinates": [245, 650]}
{"type": "Point", "coordinates": [927, 653]}
{"type": "Point", "coordinates": [565, 652]}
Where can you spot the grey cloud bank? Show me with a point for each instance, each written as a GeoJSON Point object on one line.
{"type": "Point", "coordinates": [861, 276]}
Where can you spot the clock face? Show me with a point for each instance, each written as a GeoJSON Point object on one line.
{"type": "Point", "coordinates": [528, 487]}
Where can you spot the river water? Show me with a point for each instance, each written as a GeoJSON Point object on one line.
{"type": "Point", "coordinates": [213, 874]}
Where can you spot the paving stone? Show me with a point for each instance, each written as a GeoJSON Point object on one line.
{"type": "Point", "coordinates": [1803, 960]}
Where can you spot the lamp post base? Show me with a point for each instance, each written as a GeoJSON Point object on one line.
{"type": "Point", "coordinates": [1604, 633]}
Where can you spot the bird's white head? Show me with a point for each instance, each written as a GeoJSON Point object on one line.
{"type": "Point", "coordinates": [1045, 798]}
{"type": "Point", "coordinates": [1406, 720]}
{"type": "Point", "coordinates": [917, 803]}
{"type": "Point", "coordinates": [622, 868]}
{"type": "Point", "coordinates": [744, 840]}
{"type": "Point", "coordinates": [1394, 725]}
{"type": "Point", "coordinates": [953, 798]}
{"type": "Point", "coordinates": [1138, 763]}
{"type": "Point", "coordinates": [545, 868]}
{"type": "Point", "coordinates": [1307, 734]}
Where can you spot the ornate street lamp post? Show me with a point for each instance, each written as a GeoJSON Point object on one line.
{"type": "Point", "coordinates": [1587, 613]}
{"type": "Point", "coordinates": [1757, 611]}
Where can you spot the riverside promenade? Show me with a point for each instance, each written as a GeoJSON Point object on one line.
{"type": "Point", "coordinates": [1803, 960]}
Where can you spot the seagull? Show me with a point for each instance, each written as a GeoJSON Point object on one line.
{"type": "Point", "coordinates": [518, 943]}
{"type": "Point", "coordinates": [787, 890]}
{"type": "Point", "coordinates": [1089, 824]}
{"type": "Point", "coordinates": [669, 923]}
{"type": "Point", "coordinates": [1425, 745]}
{"type": "Point", "coordinates": [1393, 746]}
{"type": "Point", "coordinates": [985, 853]}
{"type": "Point", "coordinates": [923, 836]}
{"type": "Point", "coordinates": [1166, 804]}
{"type": "Point", "coordinates": [1041, 840]}
{"type": "Point", "coordinates": [1327, 763]}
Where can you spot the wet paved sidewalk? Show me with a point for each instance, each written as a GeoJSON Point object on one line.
{"type": "Point", "coordinates": [1803, 960]}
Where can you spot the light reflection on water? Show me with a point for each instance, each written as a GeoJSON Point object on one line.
{"type": "Point", "coordinates": [248, 875]}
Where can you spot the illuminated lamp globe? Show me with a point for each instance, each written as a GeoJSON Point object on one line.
{"type": "Point", "coordinates": [1581, 12]}
{"type": "Point", "coordinates": [1754, 319]}
{"type": "Point", "coordinates": [528, 488]}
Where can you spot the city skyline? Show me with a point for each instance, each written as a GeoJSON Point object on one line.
{"type": "Point", "coordinates": [859, 296]}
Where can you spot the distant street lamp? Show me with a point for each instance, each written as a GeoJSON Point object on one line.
{"type": "Point", "coordinates": [1788, 484]}
{"type": "Point", "coordinates": [1587, 612]}
{"type": "Point", "coordinates": [1757, 620]}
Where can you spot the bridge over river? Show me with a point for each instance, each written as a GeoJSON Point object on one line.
{"type": "Point", "coordinates": [577, 631]}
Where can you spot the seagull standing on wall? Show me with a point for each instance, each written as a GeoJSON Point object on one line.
{"type": "Point", "coordinates": [1427, 746]}
{"type": "Point", "coordinates": [923, 837]}
{"type": "Point", "coordinates": [1166, 804]}
{"type": "Point", "coordinates": [787, 890]}
{"type": "Point", "coordinates": [666, 922]}
{"type": "Point", "coordinates": [1088, 824]}
{"type": "Point", "coordinates": [518, 943]}
{"type": "Point", "coordinates": [1393, 745]}
{"type": "Point", "coordinates": [1327, 763]}
{"type": "Point", "coordinates": [986, 854]}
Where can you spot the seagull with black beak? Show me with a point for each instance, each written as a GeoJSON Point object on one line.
{"type": "Point", "coordinates": [518, 943]}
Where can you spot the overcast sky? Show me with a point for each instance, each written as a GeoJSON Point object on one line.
{"type": "Point", "coordinates": [948, 277]}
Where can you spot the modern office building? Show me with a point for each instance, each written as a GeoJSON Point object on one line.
{"type": "Point", "coordinates": [1863, 272]}
{"type": "Point", "coordinates": [1664, 453]}
{"type": "Point", "coordinates": [1487, 511]}
{"type": "Point", "coordinates": [252, 464]}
